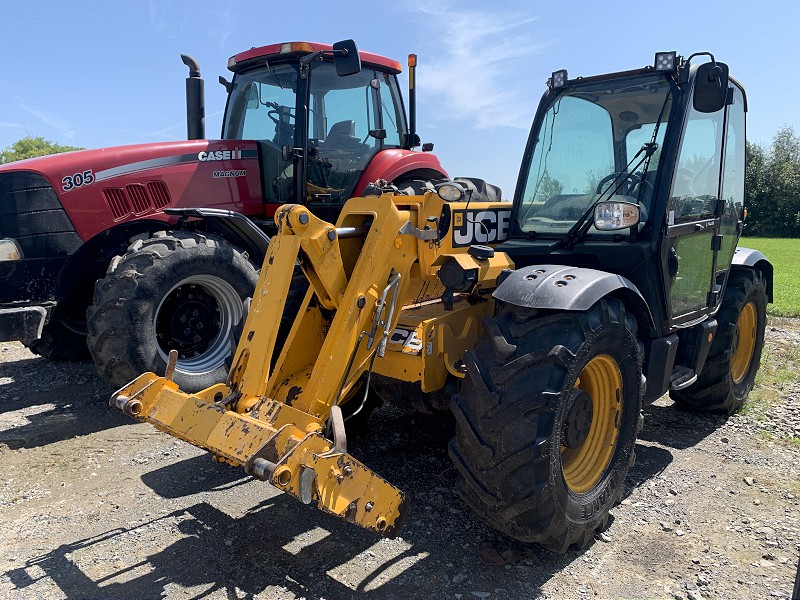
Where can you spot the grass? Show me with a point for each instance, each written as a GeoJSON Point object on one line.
{"type": "Point", "coordinates": [784, 254]}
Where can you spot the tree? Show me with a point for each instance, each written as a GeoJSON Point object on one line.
{"type": "Point", "coordinates": [772, 186]}
{"type": "Point", "coordinates": [29, 147]}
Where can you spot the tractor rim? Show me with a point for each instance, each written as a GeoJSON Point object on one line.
{"type": "Point", "coordinates": [745, 342]}
{"type": "Point", "coordinates": [195, 318]}
{"type": "Point", "coordinates": [583, 466]}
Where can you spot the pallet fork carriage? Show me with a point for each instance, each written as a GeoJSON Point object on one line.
{"type": "Point", "coordinates": [383, 256]}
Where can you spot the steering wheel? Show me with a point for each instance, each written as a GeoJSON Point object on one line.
{"type": "Point", "coordinates": [630, 183]}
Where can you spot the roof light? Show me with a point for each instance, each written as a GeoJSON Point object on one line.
{"type": "Point", "coordinates": [412, 60]}
{"type": "Point", "coordinates": [296, 47]}
{"type": "Point", "coordinates": [666, 61]}
{"type": "Point", "coordinates": [558, 79]}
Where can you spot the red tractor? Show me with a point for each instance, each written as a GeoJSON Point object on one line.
{"type": "Point", "coordinates": [120, 232]}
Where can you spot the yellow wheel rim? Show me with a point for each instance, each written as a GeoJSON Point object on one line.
{"type": "Point", "coordinates": [743, 353]}
{"type": "Point", "coordinates": [584, 466]}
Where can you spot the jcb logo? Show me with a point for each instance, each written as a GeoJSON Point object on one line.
{"type": "Point", "coordinates": [480, 226]}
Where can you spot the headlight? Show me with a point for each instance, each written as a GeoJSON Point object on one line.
{"type": "Point", "coordinates": [450, 192]}
{"type": "Point", "coordinates": [609, 216]}
{"type": "Point", "coordinates": [10, 250]}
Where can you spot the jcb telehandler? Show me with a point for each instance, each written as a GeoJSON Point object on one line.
{"type": "Point", "coordinates": [620, 281]}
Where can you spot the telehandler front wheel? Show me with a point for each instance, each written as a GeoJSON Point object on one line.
{"type": "Point", "coordinates": [546, 421]}
{"type": "Point", "coordinates": [735, 354]}
{"type": "Point", "coordinates": [178, 290]}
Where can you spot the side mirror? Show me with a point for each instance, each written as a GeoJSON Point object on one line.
{"type": "Point", "coordinates": [710, 87]}
{"type": "Point", "coordinates": [378, 134]}
{"type": "Point", "coordinates": [346, 58]}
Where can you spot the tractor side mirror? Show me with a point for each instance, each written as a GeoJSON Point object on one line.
{"type": "Point", "coordinates": [346, 58]}
{"type": "Point", "coordinates": [710, 87]}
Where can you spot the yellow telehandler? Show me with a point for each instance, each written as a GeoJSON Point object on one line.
{"type": "Point", "coordinates": [613, 278]}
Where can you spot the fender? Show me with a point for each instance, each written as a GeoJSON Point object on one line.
{"type": "Point", "coordinates": [747, 257]}
{"type": "Point", "coordinates": [392, 163]}
{"type": "Point", "coordinates": [557, 287]}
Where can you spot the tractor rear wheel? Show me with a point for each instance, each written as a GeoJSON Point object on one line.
{"type": "Point", "coordinates": [178, 290]}
{"type": "Point", "coordinates": [735, 354]}
{"type": "Point", "coordinates": [546, 421]}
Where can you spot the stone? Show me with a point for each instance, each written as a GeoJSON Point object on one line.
{"type": "Point", "coordinates": [749, 480]}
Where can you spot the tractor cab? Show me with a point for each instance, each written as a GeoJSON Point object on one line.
{"type": "Point", "coordinates": [639, 173]}
{"type": "Point", "coordinates": [319, 117]}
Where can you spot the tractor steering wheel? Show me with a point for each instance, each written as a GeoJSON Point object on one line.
{"type": "Point", "coordinates": [630, 185]}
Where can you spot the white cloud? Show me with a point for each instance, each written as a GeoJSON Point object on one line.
{"type": "Point", "coordinates": [61, 125]}
{"type": "Point", "coordinates": [7, 125]}
{"type": "Point", "coordinates": [480, 59]}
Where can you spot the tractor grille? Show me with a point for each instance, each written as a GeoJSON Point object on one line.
{"type": "Point", "coordinates": [31, 213]}
{"type": "Point", "coordinates": [137, 198]}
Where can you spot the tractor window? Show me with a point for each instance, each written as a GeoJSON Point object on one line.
{"type": "Point", "coordinates": [392, 112]}
{"type": "Point", "coordinates": [695, 183]}
{"type": "Point", "coordinates": [261, 107]}
{"type": "Point", "coordinates": [584, 149]}
{"type": "Point", "coordinates": [575, 151]}
{"type": "Point", "coordinates": [732, 179]}
{"type": "Point", "coordinates": [344, 110]}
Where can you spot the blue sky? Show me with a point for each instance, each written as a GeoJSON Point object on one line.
{"type": "Point", "coordinates": [108, 73]}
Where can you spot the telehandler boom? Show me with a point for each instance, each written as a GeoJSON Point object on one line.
{"type": "Point", "coordinates": [386, 253]}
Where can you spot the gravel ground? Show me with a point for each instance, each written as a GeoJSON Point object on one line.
{"type": "Point", "coordinates": [96, 506]}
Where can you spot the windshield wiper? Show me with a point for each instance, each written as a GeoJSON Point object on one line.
{"type": "Point", "coordinates": [581, 226]}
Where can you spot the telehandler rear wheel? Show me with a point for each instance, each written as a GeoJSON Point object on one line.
{"type": "Point", "coordinates": [735, 354]}
{"type": "Point", "coordinates": [546, 421]}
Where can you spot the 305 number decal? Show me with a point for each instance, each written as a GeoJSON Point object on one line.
{"type": "Point", "coordinates": [78, 180]}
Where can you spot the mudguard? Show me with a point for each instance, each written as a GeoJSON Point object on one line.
{"type": "Point", "coordinates": [747, 257]}
{"type": "Point", "coordinates": [558, 287]}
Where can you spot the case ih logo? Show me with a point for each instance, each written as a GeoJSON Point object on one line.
{"type": "Point", "coordinates": [234, 154]}
{"type": "Point", "coordinates": [480, 226]}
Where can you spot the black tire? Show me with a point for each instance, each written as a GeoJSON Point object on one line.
{"type": "Point", "coordinates": [63, 339]}
{"type": "Point", "coordinates": [735, 354]}
{"type": "Point", "coordinates": [178, 279]}
{"type": "Point", "coordinates": [512, 412]}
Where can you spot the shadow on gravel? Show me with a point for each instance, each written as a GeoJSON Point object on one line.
{"type": "Point", "coordinates": [193, 476]}
{"type": "Point", "coordinates": [281, 544]}
{"type": "Point", "coordinates": [679, 429]}
{"type": "Point", "coordinates": [56, 401]}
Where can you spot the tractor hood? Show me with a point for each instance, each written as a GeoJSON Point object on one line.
{"type": "Point", "coordinates": [102, 188]}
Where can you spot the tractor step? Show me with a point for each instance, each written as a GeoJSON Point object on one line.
{"type": "Point", "coordinates": [682, 377]}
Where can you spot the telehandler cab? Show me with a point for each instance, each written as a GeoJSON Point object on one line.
{"type": "Point", "coordinates": [619, 280]}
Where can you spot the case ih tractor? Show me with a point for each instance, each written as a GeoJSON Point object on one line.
{"type": "Point", "coordinates": [620, 281]}
{"type": "Point", "coordinates": [308, 123]}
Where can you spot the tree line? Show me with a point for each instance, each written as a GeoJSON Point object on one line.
{"type": "Point", "coordinates": [772, 180]}
{"type": "Point", "coordinates": [772, 186]}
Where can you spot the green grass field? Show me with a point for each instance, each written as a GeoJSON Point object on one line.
{"type": "Point", "coordinates": [784, 254]}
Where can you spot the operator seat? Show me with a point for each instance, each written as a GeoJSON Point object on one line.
{"type": "Point", "coordinates": [342, 136]}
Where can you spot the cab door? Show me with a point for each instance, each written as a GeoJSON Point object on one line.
{"type": "Point", "coordinates": [693, 218]}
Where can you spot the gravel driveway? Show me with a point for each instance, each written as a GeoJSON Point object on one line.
{"type": "Point", "coordinates": [93, 505]}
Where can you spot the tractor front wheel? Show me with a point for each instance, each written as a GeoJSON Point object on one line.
{"type": "Point", "coordinates": [181, 291]}
{"type": "Point", "coordinates": [546, 421]}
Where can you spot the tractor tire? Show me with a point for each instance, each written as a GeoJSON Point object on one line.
{"type": "Point", "coordinates": [61, 340]}
{"type": "Point", "coordinates": [546, 421]}
{"type": "Point", "coordinates": [735, 354]}
{"type": "Point", "coordinates": [178, 290]}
